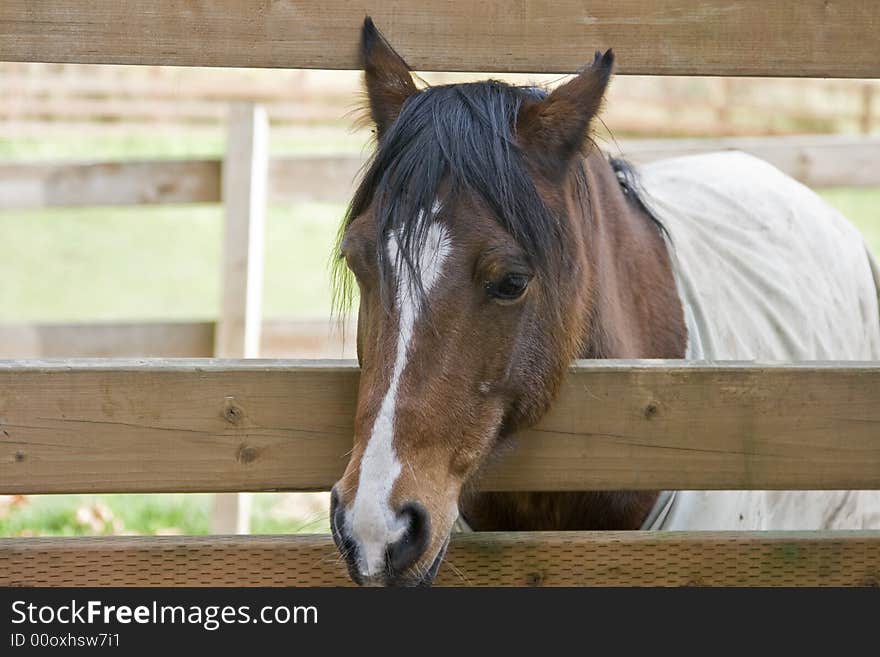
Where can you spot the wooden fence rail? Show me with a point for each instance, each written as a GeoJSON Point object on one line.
{"type": "Point", "coordinates": [481, 559]}
{"type": "Point", "coordinates": [207, 425]}
{"type": "Point", "coordinates": [77, 184]}
{"type": "Point", "coordinates": [817, 161]}
{"type": "Point", "coordinates": [146, 426]}
{"type": "Point", "coordinates": [666, 37]}
{"type": "Point", "coordinates": [279, 338]}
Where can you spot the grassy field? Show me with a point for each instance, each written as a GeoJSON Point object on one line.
{"type": "Point", "coordinates": [166, 514]}
{"type": "Point", "coordinates": [862, 207]}
{"type": "Point", "coordinates": [158, 262]}
{"type": "Point", "coordinates": [208, 143]}
{"type": "Point", "coordinates": [163, 263]}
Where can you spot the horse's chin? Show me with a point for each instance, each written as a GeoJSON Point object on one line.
{"type": "Point", "coordinates": [428, 578]}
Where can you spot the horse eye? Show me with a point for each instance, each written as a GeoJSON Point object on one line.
{"type": "Point", "coordinates": [508, 288]}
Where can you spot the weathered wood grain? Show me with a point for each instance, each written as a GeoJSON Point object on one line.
{"type": "Point", "coordinates": [669, 37]}
{"type": "Point", "coordinates": [202, 425]}
{"type": "Point", "coordinates": [478, 559]}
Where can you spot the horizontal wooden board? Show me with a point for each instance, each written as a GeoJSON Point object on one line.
{"type": "Point", "coordinates": [669, 37]}
{"type": "Point", "coordinates": [108, 340]}
{"type": "Point", "coordinates": [78, 184]}
{"type": "Point", "coordinates": [817, 161]}
{"type": "Point", "coordinates": [109, 183]}
{"type": "Point", "coordinates": [478, 559]}
{"type": "Point", "coordinates": [301, 338]}
{"type": "Point", "coordinates": [328, 178]}
{"type": "Point", "coordinates": [203, 425]}
{"type": "Point", "coordinates": [814, 160]}
{"type": "Point", "coordinates": [308, 338]}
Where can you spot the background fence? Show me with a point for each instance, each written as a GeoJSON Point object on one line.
{"type": "Point", "coordinates": [112, 99]}
{"type": "Point", "coordinates": [246, 180]}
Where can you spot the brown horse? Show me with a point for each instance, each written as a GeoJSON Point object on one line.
{"type": "Point", "coordinates": [492, 243]}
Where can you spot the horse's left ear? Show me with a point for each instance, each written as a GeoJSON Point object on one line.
{"type": "Point", "coordinates": [387, 77]}
{"type": "Point", "coordinates": [552, 131]}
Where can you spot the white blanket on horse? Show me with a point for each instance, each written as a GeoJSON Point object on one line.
{"type": "Point", "coordinates": [766, 271]}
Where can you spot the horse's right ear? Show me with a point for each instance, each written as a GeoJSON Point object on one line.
{"type": "Point", "coordinates": [386, 76]}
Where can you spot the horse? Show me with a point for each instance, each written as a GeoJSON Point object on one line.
{"type": "Point", "coordinates": [492, 243]}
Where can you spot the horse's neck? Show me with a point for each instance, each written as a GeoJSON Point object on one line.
{"type": "Point", "coordinates": [637, 311]}
{"type": "Point", "coordinates": [636, 314]}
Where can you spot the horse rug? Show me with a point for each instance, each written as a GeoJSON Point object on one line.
{"type": "Point", "coordinates": [766, 271]}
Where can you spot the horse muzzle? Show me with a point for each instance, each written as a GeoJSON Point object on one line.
{"type": "Point", "coordinates": [401, 555]}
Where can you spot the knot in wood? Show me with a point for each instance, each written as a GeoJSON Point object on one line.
{"type": "Point", "coordinates": [247, 454]}
{"type": "Point", "coordinates": [233, 413]}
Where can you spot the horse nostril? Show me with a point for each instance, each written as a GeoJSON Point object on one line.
{"type": "Point", "coordinates": [412, 545]}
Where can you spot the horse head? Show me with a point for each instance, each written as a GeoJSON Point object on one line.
{"type": "Point", "coordinates": [470, 275]}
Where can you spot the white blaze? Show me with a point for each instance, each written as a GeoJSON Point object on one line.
{"type": "Point", "coordinates": [372, 522]}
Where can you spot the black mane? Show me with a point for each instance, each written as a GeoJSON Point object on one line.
{"type": "Point", "coordinates": [631, 186]}
{"type": "Point", "coordinates": [462, 135]}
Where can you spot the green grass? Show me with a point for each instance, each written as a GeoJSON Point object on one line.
{"type": "Point", "coordinates": [87, 515]}
{"type": "Point", "coordinates": [159, 262]}
{"type": "Point", "coordinates": [96, 147]}
{"type": "Point", "coordinates": [862, 207]}
{"type": "Point", "coordinates": [194, 145]}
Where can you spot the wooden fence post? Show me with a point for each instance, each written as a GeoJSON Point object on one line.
{"type": "Point", "coordinates": [245, 174]}
{"type": "Point", "coordinates": [722, 109]}
{"type": "Point", "coordinates": [867, 117]}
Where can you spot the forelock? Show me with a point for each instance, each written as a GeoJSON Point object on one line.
{"type": "Point", "coordinates": [461, 138]}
